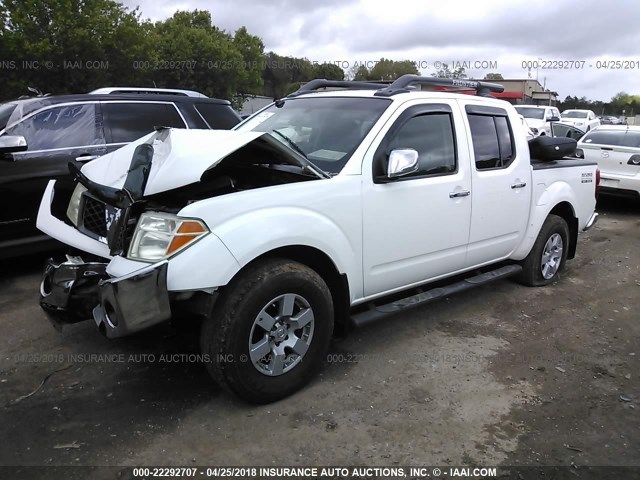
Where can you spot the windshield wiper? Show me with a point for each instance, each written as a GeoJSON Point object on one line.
{"type": "Point", "coordinates": [295, 146]}
{"type": "Point", "coordinates": [291, 143]}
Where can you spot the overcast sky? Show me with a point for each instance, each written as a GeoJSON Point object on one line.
{"type": "Point", "coordinates": [350, 31]}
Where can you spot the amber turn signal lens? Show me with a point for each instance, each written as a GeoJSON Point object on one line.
{"type": "Point", "coordinates": [186, 233]}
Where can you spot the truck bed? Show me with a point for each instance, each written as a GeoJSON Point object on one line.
{"type": "Point", "coordinates": [564, 163]}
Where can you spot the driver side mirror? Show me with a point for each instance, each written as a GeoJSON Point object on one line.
{"type": "Point", "coordinates": [553, 118]}
{"type": "Point", "coordinates": [402, 161]}
{"type": "Point", "coordinates": [11, 144]}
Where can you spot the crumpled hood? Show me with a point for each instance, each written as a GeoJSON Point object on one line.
{"type": "Point", "coordinates": [180, 157]}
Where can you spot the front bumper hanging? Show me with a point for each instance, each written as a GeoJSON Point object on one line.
{"type": "Point", "coordinates": [73, 291]}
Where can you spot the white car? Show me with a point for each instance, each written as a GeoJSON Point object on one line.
{"type": "Point", "coordinates": [323, 210]}
{"type": "Point", "coordinates": [539, 117]}
{"type": "Point", "coordinates": [585, 120]}
{"type": "Point", "coordinates": [616, 148]}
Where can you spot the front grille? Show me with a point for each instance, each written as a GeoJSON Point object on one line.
{"type": "Point", "coordinates": [93, 216]}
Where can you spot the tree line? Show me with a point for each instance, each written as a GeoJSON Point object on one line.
{"type": "Point", "coordinates": [75, 46]}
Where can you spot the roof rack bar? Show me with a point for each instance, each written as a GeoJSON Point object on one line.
{"type": "Point", "coordinates": [323, 83]}
{"type": "Point", "coordinates": [482, 89]}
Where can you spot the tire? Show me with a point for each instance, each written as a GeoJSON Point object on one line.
{"type": "Point", "coordinates": [553, 236]}
{"type": "Point", "coordinates": [260, 307]}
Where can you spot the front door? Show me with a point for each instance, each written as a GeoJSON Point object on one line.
{"type": "Point", "coordinates": [416, 227]}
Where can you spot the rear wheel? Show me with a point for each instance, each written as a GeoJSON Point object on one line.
{"type": "Point", "coordinates": [270, 331]}
{"type": "Point", "coordinates": [548, 255]}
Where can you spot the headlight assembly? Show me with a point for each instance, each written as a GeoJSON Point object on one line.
{"type": "Point", "coordinates": [73, 210]}
{"type": "Point", "coordinates": [162, 235]}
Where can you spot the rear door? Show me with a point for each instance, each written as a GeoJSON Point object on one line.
{"type": "Point", "coordinates": [612, 149]}
{"type": "Point", "coordinates": [416, 228]}
{"type": "Point", "coordinates": [56, 135]}
{"type": "Point", "coordinates": [500, 180]}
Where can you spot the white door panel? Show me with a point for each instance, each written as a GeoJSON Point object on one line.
{"type": "Point", "coordinates": [413, 231]}
{"type": "Point", "coordinates": [416, 229]}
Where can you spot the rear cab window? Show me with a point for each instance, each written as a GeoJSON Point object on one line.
{"type": "Point", "coordinates": [492, 137]}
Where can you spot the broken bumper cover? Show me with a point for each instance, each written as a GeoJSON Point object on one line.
{"type": "Point", "coordinates": [74, 291]}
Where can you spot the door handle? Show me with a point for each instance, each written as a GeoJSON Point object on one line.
{"type": "Point", "coordinates": [518, 185]}
{"type": "Point", "coordinates": [463, 193]}
{"type": "Point", "coordinates": [86, 158]}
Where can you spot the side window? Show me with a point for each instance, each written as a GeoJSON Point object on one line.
{"type": "Point", "coordinates": [217, 116]}
{"type": "Point", "coordinates": [431, 135]}
{"type": "Point", "coordinates": [61, 127]}
{"type": "Point", "coordinates": [492, 141]}
{"type": "Point", "coordinates": [129, 121]}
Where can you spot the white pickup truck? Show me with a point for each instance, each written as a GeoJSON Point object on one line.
{"type": "Point", "coordinates": [326, 209]}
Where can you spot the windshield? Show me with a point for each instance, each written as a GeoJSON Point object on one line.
{"type": "Point", "coordinates": [530, 112]}
{"type": "Point", "coordinates": [327, 130]}
{"type": "Point", "coordinates": [574, 114]}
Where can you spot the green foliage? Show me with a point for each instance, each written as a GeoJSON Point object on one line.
{"type": "Point", "coordinates": [64, 46]}
{"type": "Point", "coordinates": [620, 102]}
{"type": "Point", "coordinates": [383, 70]}
{"type": "Point", "coordinates": [493, 76]}
{"type": "Point", "coordinates": [445, 72]}
{"type": "Point", "coordinates": [329, 71]}
{"type": "Point", "coordinates": [390, 70]}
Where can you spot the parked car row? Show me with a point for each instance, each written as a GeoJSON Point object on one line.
{"type": "Point", "coordinates": [582, 119]}
{"type": "Point", "coordinates": [40, 136]}
{"type": "Point", "coordinates": [616, 149]}
{"type": "Point", "coordinates": [612, 120]}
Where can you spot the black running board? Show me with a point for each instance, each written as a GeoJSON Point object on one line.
{"type": "Point", "coordinates": [381, 311]}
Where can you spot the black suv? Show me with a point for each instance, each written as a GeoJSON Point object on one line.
{"type": "Point", "coordinates": [40, 136]}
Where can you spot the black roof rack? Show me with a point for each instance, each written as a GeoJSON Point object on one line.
{"type": "Point", "coordinates": [401, 85]}
{"type": "Point", "coordinates": [482, 89]}
{"type": "Point", "coordinates": [323, 83]}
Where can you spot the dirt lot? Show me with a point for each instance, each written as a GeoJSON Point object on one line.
{"type": "Point", "coordinates": [504, 375]}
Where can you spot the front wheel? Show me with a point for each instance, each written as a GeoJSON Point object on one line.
{"type": "Point", "coordinates": [270, 331]}
{"type": "Point", "coordinates": [548, 255]}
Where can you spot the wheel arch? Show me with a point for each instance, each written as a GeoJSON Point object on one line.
{"type": "Point", "coordinates": [565, 211]}
{"type": "Point", "coordinates": [324, 266]}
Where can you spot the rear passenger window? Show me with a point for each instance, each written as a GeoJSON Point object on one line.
{"type": "Point", "coordinates": [492, 141]}
{"type": "Point", "coordinates": [431, 135]}
{"type": "Point", "coordinates": [130, 121]}
{"type": "Point", "coordinates": [217, 116]}
{"type": "Point", "coordinates": [614, 138]}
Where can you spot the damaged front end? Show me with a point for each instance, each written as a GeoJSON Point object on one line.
{"type": "Point", "coordinates": [74, 291]}
{"type": "Point", "coordinates": [126, 206]}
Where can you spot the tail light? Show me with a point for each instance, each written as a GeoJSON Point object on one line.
{"type": "Point", "coordinates": [634, 160]}
{"type": "Point", "coordinates": [597, 181]}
